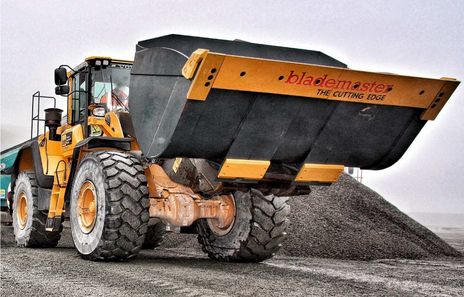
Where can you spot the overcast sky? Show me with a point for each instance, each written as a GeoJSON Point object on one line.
{"type": "Point", "coordinates": [422, 38]}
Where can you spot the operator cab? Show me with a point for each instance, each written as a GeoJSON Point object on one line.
{"type": "Point", "coordinates": [95, 87]}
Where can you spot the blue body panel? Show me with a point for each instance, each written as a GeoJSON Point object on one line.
{"type": "Point", "coordinates": [7, 160]}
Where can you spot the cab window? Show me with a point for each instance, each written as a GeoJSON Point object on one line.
{"type": "Point", "coordinates": [79, 97]}
{"type": "Point", "coordinates": [110, 86]}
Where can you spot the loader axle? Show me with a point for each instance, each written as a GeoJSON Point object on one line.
{"type": "Point", "coordinates": [182, 210]}
{"type": "Point", "coordinates": [179, 206]}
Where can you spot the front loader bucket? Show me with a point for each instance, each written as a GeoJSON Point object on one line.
{"type": "Point", "coordinates": [273, 118]}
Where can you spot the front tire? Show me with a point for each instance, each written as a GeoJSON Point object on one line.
{"type": "Point", "coordinates": [28, 220]}
{"type": "Point", "coordinates": [109, 206]}
{"type": "Point", "coordinates": [257, 232]}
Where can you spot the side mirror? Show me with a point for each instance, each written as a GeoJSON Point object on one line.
{"type": "Point", "coordinates": [61, 77]}
{"type": "Point", "coordinates": [62, 90]}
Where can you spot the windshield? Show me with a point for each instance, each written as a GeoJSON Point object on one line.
{"type": "Point", "coordinates": [110, 86]}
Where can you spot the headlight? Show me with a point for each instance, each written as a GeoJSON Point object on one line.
{"type": "Point", "coordinates": [99, 111]}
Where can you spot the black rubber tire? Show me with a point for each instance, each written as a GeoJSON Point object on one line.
{"type": "Point", "coordinates": [155, 235]}
{"type": "Point", "coordinates": [258, 230]}
{"type": "Point", "coordinates": [33, 234]}
{"type": "Point", "coordinates": [122, 206]}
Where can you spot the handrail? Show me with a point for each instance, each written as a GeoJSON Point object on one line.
{"type": "Point", "coordinates": [36, 117]}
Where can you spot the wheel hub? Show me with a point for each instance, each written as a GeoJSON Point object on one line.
{"type": "Point", "coordinates": [87, 207]}
{"type": "Point", "coordinates": [21, 213]}
{"type": "Point", "coordinates": [222, 227]}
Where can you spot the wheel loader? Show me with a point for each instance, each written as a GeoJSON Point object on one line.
{"type": "Point", "coordinates": [204, 136]}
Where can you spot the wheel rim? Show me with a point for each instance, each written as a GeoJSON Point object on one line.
{"type": "Point", "coordinates": [213, 224]}
{"type": "Point", "coordinates": [87, 207]}
{"type": "Point", "coordinates": [21, 213]}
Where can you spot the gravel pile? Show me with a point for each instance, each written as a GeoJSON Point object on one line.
{"type": "Point", "coordinates": [350, 221]}
{"type": "Point", "coordinates": [347, 220]}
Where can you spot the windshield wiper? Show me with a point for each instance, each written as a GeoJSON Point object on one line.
{"type": "Point", "coordinates": [119, 101]}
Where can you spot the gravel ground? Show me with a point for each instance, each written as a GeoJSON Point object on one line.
{"type": "Point", "coordinates": [341, 222]}
{"type": "Point", "coordinates": [177, 272]}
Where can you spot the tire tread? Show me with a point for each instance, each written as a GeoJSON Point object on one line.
{"type": "Point", "coordinates": [127, 207]}
{"type": "Point", "coordinates": [39, 237]}
{"type": "Point", "coordinates": [267, 231]}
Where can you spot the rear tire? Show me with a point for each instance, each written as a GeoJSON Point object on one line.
{"type": "Point", "coordinates": [116, 229]}
{"type": "Point", "coordinates": [155, 235]}
{"type": "Point", "coordinates": [28, 220]}
{"type": "Point", "coordinates": [257, 233]}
